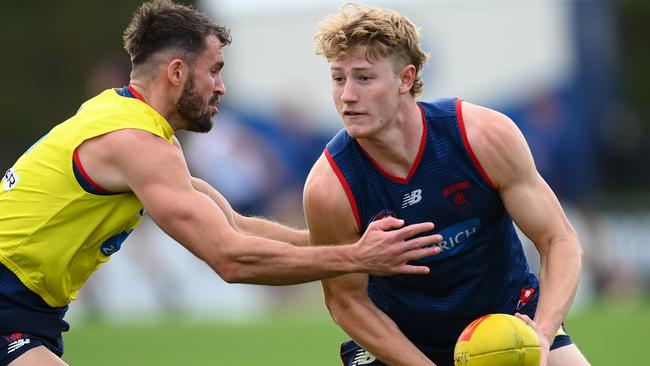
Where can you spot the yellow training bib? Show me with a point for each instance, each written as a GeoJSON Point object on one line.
{"type": "Point", "coordinates": [53, 233]}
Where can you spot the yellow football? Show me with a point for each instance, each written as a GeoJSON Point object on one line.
{"type": "Point", "coordinates": [497, 340]}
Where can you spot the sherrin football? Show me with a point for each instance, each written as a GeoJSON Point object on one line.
{"type": "Point", "coordinates": [497, 340]}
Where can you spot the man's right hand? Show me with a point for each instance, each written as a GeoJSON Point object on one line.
{"type": "Point", "coordinates": [385, 247]}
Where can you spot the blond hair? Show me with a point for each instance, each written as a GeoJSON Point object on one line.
{"type": "Point", "coordinates": [383, 32]}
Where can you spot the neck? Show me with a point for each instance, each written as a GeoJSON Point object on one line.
{"type": "Point", "coordinates": [396, 147]}
{"type": "Point", "coordinates": [160, 102]}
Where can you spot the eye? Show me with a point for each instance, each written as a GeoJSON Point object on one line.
{"type": "Point", "coordinates": [364, 78]}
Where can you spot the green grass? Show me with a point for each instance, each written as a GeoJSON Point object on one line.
{"type": "Point", "coordinates": [611, 333]}
{"type": "Point", "coordinates": [608, 333]}
{"type": "Point", "coordinates": [282, 340]}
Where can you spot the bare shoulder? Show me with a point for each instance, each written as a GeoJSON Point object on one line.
{"type": "Point", "coordinates": [487, 128]}
{"type": "Point", "coordinates": [108, 158]}
{"type": "Point", "coordinates": [328, 212]}
{"type": "Point", "coordinates": [497, 143]}
{"type": "Point", "coordinates": [141, 147]}
{"type": "Point", "coordinates": [137, 138]}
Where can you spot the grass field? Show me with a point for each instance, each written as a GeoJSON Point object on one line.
{"type": "Point", "coordinates": [608, 333]}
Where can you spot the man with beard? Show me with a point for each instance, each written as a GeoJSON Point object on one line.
{"type": "Point", "coordinates": [72, 199]}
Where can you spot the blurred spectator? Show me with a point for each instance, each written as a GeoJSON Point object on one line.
{"type": "Point", "coordinates": [550, 126]}
{"type": "Point", "coordinates": [613, 276]}
{"type": "Point", "coordinates": [259, 162]}
{"type": "Point", "coordinates": [239, 162]}
{"type": "Point", "coordinates": [544, 125]}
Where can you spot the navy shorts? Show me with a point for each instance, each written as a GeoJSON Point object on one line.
{"type": "Point", "coordinates": [26, 320]}
{"type": "Point", "coordinates": [354, 355]}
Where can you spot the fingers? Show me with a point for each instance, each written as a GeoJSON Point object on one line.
{"type": "Point", "coordinates": [421, 253]}
{"type": "Point", "coordinates": [526, 319]}
{"type": "Point", "coordinates": [530, 322]}
{"type": "Point", "coordinates": [412, 230]}
{"type": "Point", "coordinates": [545, 343]}
{"type": "Point", "coordinates": [423, 241]}
{"type": "Point", "coordinates": [421, 247]}
{"type": "Point", "coordinates": [412, 270]}
{"type": "Point", "coordinates": [388, 223]}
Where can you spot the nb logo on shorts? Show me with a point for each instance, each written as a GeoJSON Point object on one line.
{"type": "Point", "coordinates": [17, 344]}
{"type": "Point", "coordinates": [10, 179]}
{"type": "Point", "coordinates": [363, 357]}
{"type": "Point", "coordinates": [412, 198]}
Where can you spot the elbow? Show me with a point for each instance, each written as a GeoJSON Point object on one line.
{"type": "Point", "coordinates": [334, 311]}
{"type": "Point", "coordinates": [228, 261]}
{"type": "Point", "coordinates": [230, 270]}
{"type": "Point", "coordinates": [231, 275]}
{"type": "Point", "coordinates": [578, 247]}
{"type": "Point", "coordinates": [338, 307]}
{"type": "Point", "coordinates": [581, 253]}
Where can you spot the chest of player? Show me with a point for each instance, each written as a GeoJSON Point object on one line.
{"type": "Point", "coordinates": [444, 187]}
{"type": "Point", "coordinates": [444, 200]}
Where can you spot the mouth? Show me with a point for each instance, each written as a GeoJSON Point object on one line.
{"type": "Point", "coordinates": [352, 113]}
{"type": "Point", "coordinates": [214, 106]}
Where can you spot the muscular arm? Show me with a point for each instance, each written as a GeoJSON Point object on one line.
{"type": "Point", "coordinates": [504, 154]}
{"type": "Point", "coordinates": [330, 219]}
{"type": "Point", "coordinates": [250, 225]}
{"type": "Point", "coordinates": [156, 172]}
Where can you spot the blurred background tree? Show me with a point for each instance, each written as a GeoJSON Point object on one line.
{"type": "Point", "coordinates": [49, 50]}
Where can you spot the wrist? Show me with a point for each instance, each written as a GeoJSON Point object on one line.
{"type": "Point", "coordinates": [547, 331]}
{"type": "Point", "coordinates": [351, 260]}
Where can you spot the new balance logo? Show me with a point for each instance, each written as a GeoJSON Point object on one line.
{"type": "Point", "coordinates": [363, 357]}
{"type": "Point", "coordinates": [17, 344]}
{"type": "Point", "coordinates": [10, 179]}
{"type": "Point", "coordinates": [412, 198]}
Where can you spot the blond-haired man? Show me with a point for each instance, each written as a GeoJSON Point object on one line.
{"type": "Point", "coordinates": [462, 166]}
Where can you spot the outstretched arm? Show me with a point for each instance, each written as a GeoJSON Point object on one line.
{"type": "Point", "coordinates": [156, 172]}
{"type": "Point", "coordinates": [330, 219]}
{"type": "Point", "coordinates": [249, 225]}
{"type": "Point", "coordinates": [252, 225]}
{"type": "Point", "coordinates": [503, 152]}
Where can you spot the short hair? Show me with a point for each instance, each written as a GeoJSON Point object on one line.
{"type": "Point", "coordinates": [161, 25]}
{"type": "Point", "coordinates": [384, 33]}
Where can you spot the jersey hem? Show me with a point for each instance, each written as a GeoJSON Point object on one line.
{"type": "Point", "coordinates": [29, 284]}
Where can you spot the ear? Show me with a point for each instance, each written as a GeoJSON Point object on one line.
{"type": "Point", "coordinates": [177, 71]}
{"type": "Point", "coordinates": [407, 78]}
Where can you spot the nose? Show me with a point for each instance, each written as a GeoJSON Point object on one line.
{"type": "Point", "coordinates": [219, 86]}
{"type": "Point", "coordinates": [349, 94]}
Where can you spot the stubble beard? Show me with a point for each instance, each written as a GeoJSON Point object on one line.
{"type": "Point", "coordinates": [193, 110]}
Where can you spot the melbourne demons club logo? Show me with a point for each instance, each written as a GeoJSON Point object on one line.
{"type": "Point", "coordinates": [455, 193]}
{"type": "Point", "coordinates": [381, 214]}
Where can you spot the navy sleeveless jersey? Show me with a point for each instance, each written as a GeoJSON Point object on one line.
{"type": "Point", "coordinates": [482, 268]}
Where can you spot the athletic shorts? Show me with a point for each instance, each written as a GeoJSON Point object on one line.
{"type": "Point", "coordinates": [354, 355]}
{"type": "Point", "coordinates": [26, 320]}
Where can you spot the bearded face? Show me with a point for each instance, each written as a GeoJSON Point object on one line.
{"type": "Point", "coordinates": [194, 109]}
